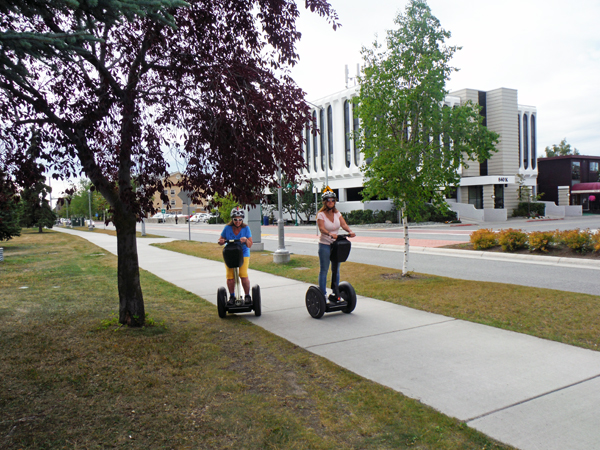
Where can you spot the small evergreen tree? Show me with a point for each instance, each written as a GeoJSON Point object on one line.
{"type": "Point", "coordinates": [9, 212]}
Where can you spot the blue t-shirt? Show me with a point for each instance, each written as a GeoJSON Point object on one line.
{"type": "Point", "coordinates": [228, 234]}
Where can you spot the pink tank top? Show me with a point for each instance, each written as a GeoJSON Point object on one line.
{"type": "Point", "coordinates": [331, 227]}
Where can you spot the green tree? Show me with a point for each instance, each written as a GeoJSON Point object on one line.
{"type": "Point", "coordinates": [414, 143]}
{"type": "Point", "coordinates": [80, 201]}
{"type": "Point", "coordinates": [226, 204]}
{"type": "Point", "coordinates": [9, 211]}
{"type": "Point", "coordinates": [35, 207]}
{"type": "Point", "coordinates": [562, 149]}
{"type": "Point", "coordinates": [306, 201]}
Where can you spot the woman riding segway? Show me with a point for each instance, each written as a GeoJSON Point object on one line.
{"type": "Point", "coordinates": [342, 297]}
{"type": "Point", "coordinates": [236, 254]}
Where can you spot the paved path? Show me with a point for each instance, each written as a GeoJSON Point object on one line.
{"type": "Point", "coordinates": [524, 391]}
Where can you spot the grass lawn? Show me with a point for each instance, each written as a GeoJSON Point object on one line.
{"type": "Point", "coordinates": [566, 317]}
{"type": "Point", "coordinates": [70, 378]}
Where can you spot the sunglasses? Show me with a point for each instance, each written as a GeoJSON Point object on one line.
{"type": "Point", "coordinates": [238, 220]}
{"type": "Point", "coordinates": [331, 199]}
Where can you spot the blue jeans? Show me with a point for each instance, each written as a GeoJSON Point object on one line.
{"type": "Point", "coordinates": [324, 254]}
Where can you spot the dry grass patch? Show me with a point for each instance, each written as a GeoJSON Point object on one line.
{"type": "Point", "coordinates": [71, 379]}
{"type": "Point", "coordinates": [113, 232]}
{"type": "Point", "coordinates": [557, 315]}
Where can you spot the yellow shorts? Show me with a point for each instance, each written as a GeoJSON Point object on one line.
{"type": "Point", "coordinates": [243, 269]}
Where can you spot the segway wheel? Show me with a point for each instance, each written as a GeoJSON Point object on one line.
{"type": "Point", "coordinates": [222, 302]}
{"type": "Point", "coordinates": [348, 295]}
{"type": "Point", "coordinates": [315, 302]}
{"type": "Point", "coordinates": [256, 300]}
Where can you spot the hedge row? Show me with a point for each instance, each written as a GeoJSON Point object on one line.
{"type": "Point", "coordinates": [427, 213]}
{"type": "Point", "coordinates": [581, 241]}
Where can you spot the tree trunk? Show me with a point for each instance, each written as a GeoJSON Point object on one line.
{"type": "Point", "coordinates": [406, 243]}
{"type": "Point", "coordinates": [131, 301]}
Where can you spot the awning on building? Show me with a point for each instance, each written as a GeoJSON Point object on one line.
{"type": "Point", "coordinates": [585, 188]}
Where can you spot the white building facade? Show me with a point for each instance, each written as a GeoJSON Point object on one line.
{"type": "Point", "coordinates": [487, 191]}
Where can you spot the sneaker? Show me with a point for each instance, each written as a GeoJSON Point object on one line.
{"type": "Point", "coordinates": [247, 299]}
{"type": "Point", "coordinates": [231, 300]}
{"type": "Point", "coordinates": [332, 298]}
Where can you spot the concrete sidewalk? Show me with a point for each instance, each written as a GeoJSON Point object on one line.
{"type": "Point", "coordinates": [521, 390]}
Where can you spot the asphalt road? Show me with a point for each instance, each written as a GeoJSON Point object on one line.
{"type": "Point", "coordinates": [464, 266]}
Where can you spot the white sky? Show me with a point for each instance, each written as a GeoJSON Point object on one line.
{"type": "Point", "coordinates": [549, 50]}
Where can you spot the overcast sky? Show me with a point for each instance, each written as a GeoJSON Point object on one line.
{"type": "Point", "coordinates": [549, 50]}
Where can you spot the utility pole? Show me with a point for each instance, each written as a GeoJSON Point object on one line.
{"type": "Point", "coordinates": [281, 255]}
{"type": "Point", "coordinates": [90, 226]}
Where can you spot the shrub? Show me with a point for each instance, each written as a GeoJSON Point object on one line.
{"type": "Point", "coordinates": [529, 209]}
{"type": "Point", "coordinates": [577, 240]}
{"type": "Point", "coordinates": [540, 240]}
{"type": "Point", "coordinates": [430, 213]}
{"type": "Point", "coordinates": [596, 241]}
{"type": "Point", "coordinates": [511, 239]}
{"type": "Point", "coordinates": [360, 217]}
{"type": "Point", "coordinates": [484, 238]}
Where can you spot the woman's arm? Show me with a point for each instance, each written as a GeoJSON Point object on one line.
{"type": "Point", "coordinates": [345, 226]}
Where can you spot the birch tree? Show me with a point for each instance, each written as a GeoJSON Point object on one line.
{"type": "Point", "coordinates": [413, 143]}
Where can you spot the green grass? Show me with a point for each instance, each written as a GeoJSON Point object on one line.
{"type": "Point", "coordinates": [70, 378]}
{"type": "Point", "coordinates": [565, 317]}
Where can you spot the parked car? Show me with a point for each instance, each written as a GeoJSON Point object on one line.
{"type": "Point", "coordinates": [199, 217]}
{"type": "Point", "coordinates": [160, 216]}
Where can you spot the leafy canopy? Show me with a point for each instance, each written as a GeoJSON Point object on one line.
{"type": "Point", "coordinates": [562, 149]}
{"type": "Point", "coordinates": [414, 143]}
{"type": "Point", "coordinates": [112, 84]}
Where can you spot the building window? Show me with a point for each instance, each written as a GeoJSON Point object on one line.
{"type": "Point", "coordinates": [307, 159]}
{"type": "Point", "coordinates": [330, 136]}
{"type": "Point", "coordinates": [575, 171]}
{"type": "Point", "coordinates": [323, 144]}
{"type": "Point", "coordinates": [347, 131]}
{"type": "Point", "coordinates": [315, 141]}
{"type": "Point", "coordinates": [172, 202]}
{"type": "Point", "coordinates": [593, 175]}
{"type": "Point", "coordinates": [172, 191]}
{"type": "Point", "coordinates": [354, 194]}
{"type": "Point", "coordinates": [519, 133]}
{"type": "Point", "coordinates": [355, 131]}
{"type": "Point", "coordinates": [166, 192]}
{"type": "Point", "coordinates": [525, 142]}
{"type": "Point", "coordinates": [498, 196]}
{"type": "Point", "coordinates": [476, 196]}
{"type": "Point", "coordinates": [533, 143]}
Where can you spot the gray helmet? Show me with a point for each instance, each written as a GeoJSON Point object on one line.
{"type": "Point", "coordinates": [328, 194]}
{"type": "Point", "coordinates": [238, 212]}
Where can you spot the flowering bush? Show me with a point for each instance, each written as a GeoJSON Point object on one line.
{"type": "Point", "coordinates": [577, 240]}
{"type": "Point", "coordinates": [596, 241]}
{"type": "Point", "coordinates": [484, 238]}
{"type": "Point", "coordinates": [511, 239]}
{"type": "Point", "coordinates": [540, 240]}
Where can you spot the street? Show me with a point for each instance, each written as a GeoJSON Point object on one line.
{"type": "Point", "coordinates": [462, 265]}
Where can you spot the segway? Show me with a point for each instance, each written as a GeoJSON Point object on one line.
{"type": "Point", "coordinates": [343, 297]}
{"type": "Point", "coordinates": [233, 254]}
